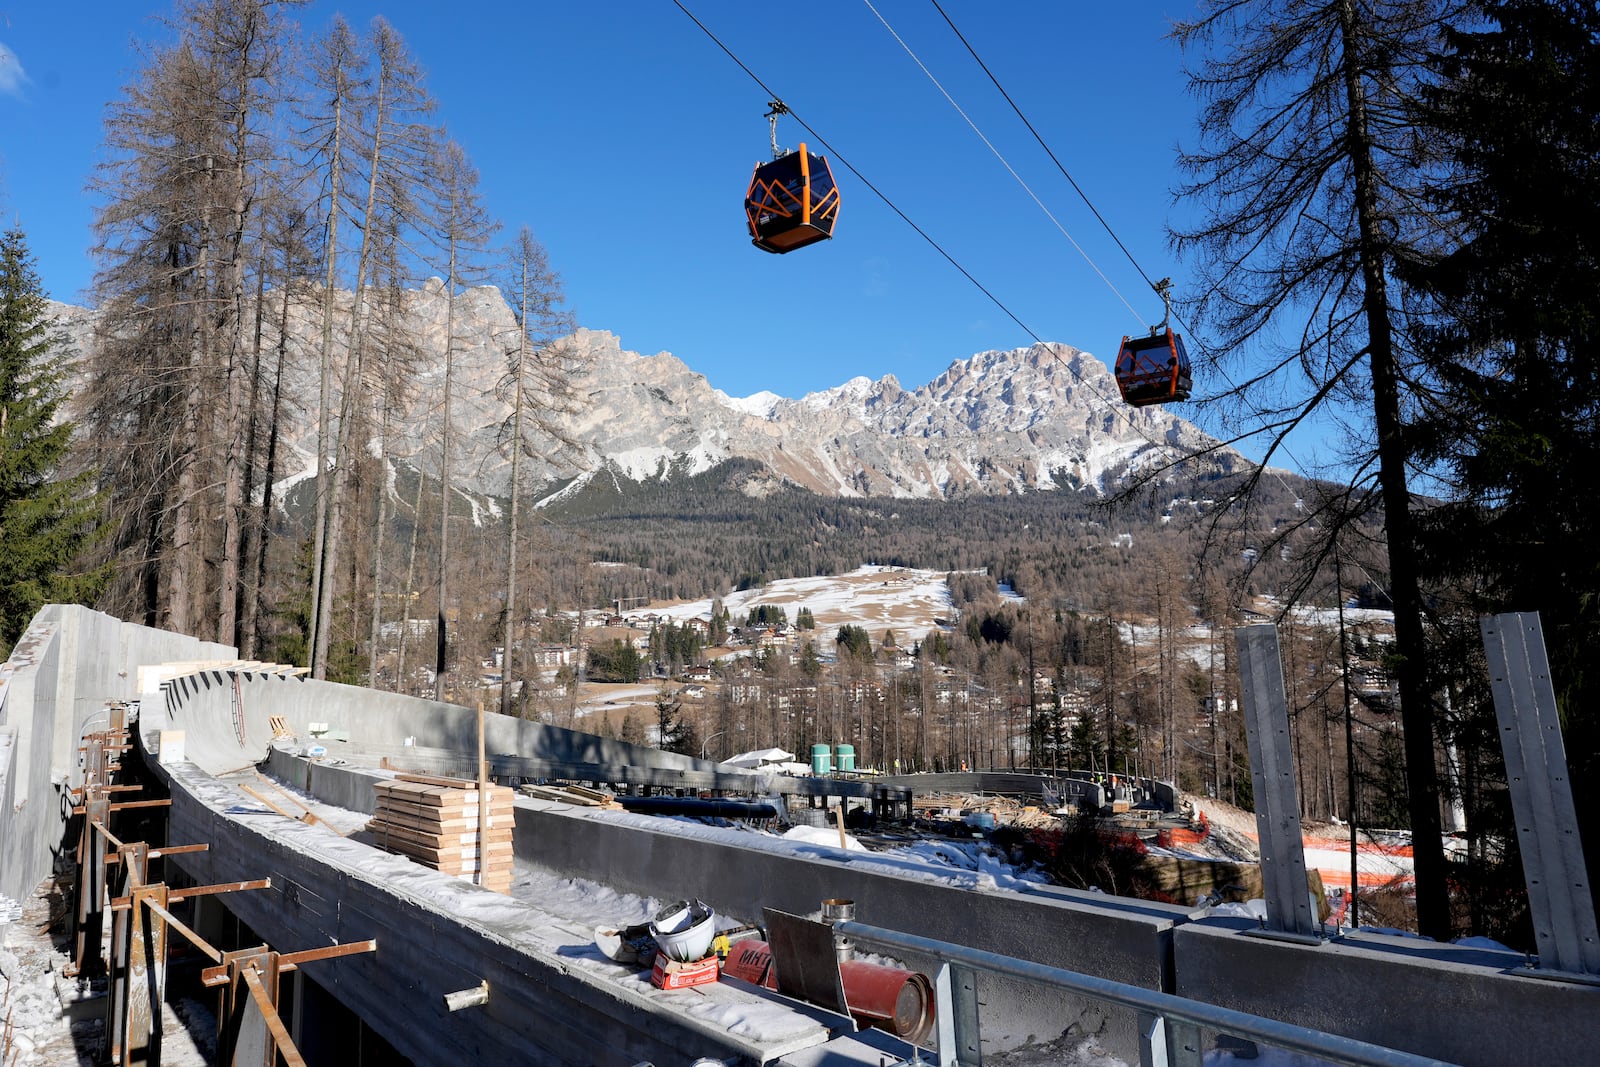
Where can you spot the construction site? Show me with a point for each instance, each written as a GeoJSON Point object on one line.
{"type": "Point", "coordinates": [216, 861]}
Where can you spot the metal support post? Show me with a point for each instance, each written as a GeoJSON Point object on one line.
{"type": "Point", "coordinates": [1167, 1042]}
{"type": "Point", "coordinates": [139, 979]}
{"type": "Point", "coordinates": [246, 1037]}
{"type": "Point", "coordinates": [91, 887]}
{"type": "Point", "coordinates": [1283, 857]}
{"type": "Point", "coordinates": [955, 1014]}
{"type": "Point", "coordinates": [1559, 897]}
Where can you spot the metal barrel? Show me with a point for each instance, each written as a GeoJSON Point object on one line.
{"type": "Point", "coordinates": [891, 998]}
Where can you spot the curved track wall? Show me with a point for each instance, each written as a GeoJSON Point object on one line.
{"type": "Point", "coordinates": [1462, 1005]}
{"type": "Point", "coordinates": [54, 688]}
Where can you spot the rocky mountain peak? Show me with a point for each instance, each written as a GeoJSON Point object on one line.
{"type": "Point", "coordinates": [1042, 417]}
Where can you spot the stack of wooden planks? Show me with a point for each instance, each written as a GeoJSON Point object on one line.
{"type": "Point", "coordinates": [434, 820]}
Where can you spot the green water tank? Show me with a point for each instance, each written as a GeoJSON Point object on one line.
{"type": "Point", "coordinates": [846, 757]}
{"type": "Point", "coordinates": [821, 759]}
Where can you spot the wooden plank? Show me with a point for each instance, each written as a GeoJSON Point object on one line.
{"type": "Point", "coordinates": [463, 839]}
{"type": "Point", "coordinates": [433, 845]}
{"type": "Point", "coordinates": [440, 796]}
{"type": "Point", "coordinates": [421, 793]}
{"type": "Point", "coordinates": [439, 826]}
{"type": "Point", "coordinates": [460, 826]}
{"type": "Point", "coordinates": [443, 799]}
{"type": "Point", "coordinates": [424, 813]}
{"type": "Point", "coordinates": [453, 837]}
{"type": "Point", "coordinates": [453, 860]}
{"type": "Point", "coordinates": [427, 811]}
{"type": "Point", "coordinates": [500, 871]}
{"type": "Point", "coordinates": [454, 826]}
{"type": "Point", "coordinates": [437, 779]}
{"type": "Point", "coordinates": [590, 798]}
{"type": "Point", "coordinates": [263, 800]}
{"type": "Point", "coordinates": [464, 784]}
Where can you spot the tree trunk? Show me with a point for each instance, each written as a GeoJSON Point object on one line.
{"type": "Point", "coordinates": [512, 531]}
{"type": "Point", "coordinates": [406, 592]}
{"type": "Point", "coordinates": [1433, 905]}
{"type": "Point", "coordinates": [345, 447]}
{"type": "Point", "coordinates": [270, 470]}
{"type": "Point", "coordinates": [375, 629]}
{"type": "Point", "coordinates": [319, 562]}
{"type": "Point", "coordinates": [444, 473]}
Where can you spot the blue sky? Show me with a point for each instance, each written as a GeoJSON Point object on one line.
{"type": "Point", "coordinates": [625, 138]}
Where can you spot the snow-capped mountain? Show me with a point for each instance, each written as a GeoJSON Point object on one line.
{"type": "Point", "coordinates": [1043, 417]}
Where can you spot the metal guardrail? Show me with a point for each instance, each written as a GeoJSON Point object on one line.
{"type": "Point", "coordinates": [1169, 1026]}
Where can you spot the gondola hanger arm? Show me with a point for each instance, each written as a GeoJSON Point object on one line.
{"type": "Point", "coordinates": [778, 107]}
{"type": "Point", "coordinates": [1163, 289]}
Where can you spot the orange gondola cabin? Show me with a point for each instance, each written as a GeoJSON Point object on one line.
{"type": "Point", "coordinates": [1153, 369]}
{"type": "Point", "coordinates": [792, 202]}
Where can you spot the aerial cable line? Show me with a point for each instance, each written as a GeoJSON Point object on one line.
{"type": "Point", "coordinates": [1255, 410]}
{"type": "Point", "coordinates": [858, 175]}
{"type": "Point", "coordinates": [1059, 165]}
{"type": "Point", "coordinates": [1160, 446]}
{"type": "Point", "coordinates": [1115, 405]}
{"type": "Point", "coordinates": [1006, 163]}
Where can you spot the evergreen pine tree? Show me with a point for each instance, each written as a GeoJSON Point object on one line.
{"type": "Point", "coordinates": [1516, 431]}
{"type": "Point", "coordinates": [631, 731]}
{"type": "Point", "coordinates": [47, 518]}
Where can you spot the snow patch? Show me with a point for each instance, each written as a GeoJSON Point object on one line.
{"type": "Point", "coordinates": [571, 489]}
{"type": "Point", "coordinates": [762, 405]}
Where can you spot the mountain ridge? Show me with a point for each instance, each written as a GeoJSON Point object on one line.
{"type": "Point", "coordinates": [1044, 417]}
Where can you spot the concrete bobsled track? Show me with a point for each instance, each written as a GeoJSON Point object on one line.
{"type": "Point", "coordinates": [552, 998]}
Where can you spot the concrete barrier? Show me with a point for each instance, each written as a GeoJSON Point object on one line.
{"type": "Point", "coordinates": [1463, 1005]}
{"type": "Point", "coordinates": [63, 671]}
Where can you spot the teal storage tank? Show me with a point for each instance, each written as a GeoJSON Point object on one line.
{"type": "Point", "coordinates": [846, 757]}
{"type": "Point", "coordinates": [821, 760]}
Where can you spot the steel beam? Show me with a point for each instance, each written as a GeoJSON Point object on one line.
{"type": "Point", "coordinates": [1559, 897]}
{"type": "Point", "coordinates": [1283, 857]}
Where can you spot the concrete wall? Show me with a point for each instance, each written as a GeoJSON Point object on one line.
{"type": "Point", "coordinates": [1384, 995]}
{"type": "Point", "coordinates": [67, 666]}
{"type": "Point", "coordinates": [551, 1001]}
{"type": "Point", "coordinates": [1077, 787]}
{"type": "Point", "coordinates": [1127, 941]}
{"type": "Point", "coordinates": [1462, 1005]}
{"type": "Point", "coordinates": [378, 719]}
{"type": "Point", "coordinates": [31, 820]}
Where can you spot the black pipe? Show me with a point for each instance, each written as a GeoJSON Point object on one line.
{"type": "Point", "coordinates": [721, 808]}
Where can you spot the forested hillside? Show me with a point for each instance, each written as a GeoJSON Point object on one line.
{"type": "Point", "coordinates": [700, 535]}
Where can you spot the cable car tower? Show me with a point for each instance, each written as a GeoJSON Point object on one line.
{"type": "Point", "coordinates": [792, 201]}
{"type": "Point", "coordinates": [1154, 369]}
